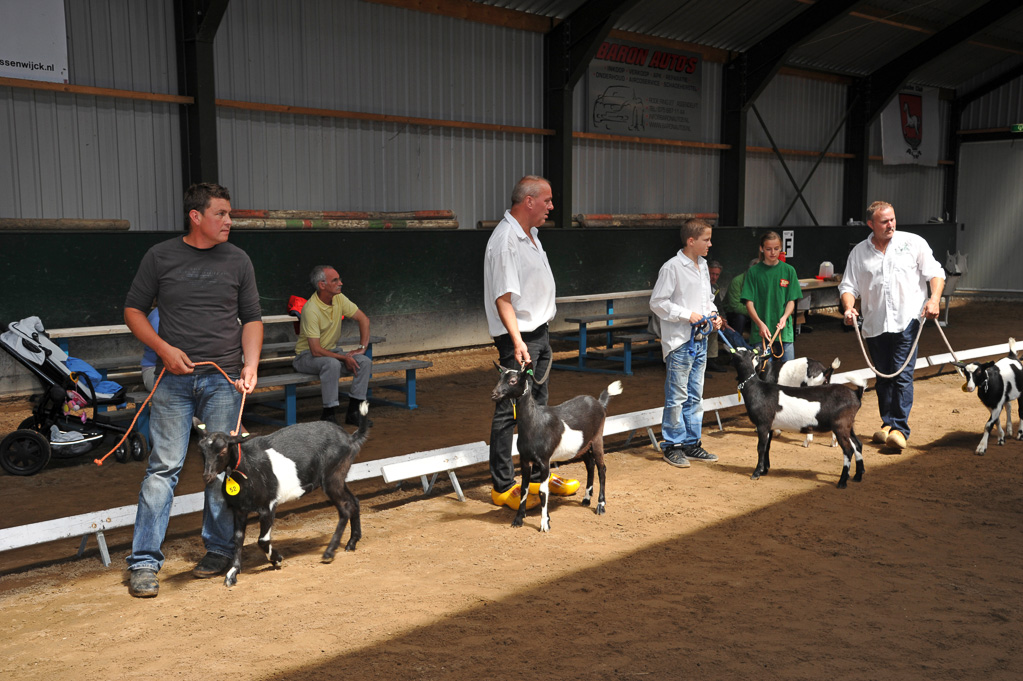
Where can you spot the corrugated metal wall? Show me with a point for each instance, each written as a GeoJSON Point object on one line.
{"type": "Point", "coordinates": [626, 177]}
{"type": "Point", "coordinates": [800, 114]}
{"type": "Point", "coordinates": [75, 156]}
{"type": "Point", "coordinates": [991, 207]}
{"type": "Point", "coordinates": [370, 58]}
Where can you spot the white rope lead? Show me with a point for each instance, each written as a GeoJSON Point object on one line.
{"type": "Point", "coordinates": [916, 342]}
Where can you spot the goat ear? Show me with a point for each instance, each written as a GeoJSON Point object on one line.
{"type": "Point", "coordinates": [199, 425]}
{"type": "Point", "coordinates": [527, 367]}
{"type": "Point", "coordinates": [500, 369]}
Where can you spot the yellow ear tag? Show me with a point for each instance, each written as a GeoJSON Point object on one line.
{"type": "Point", "coordinates": [515, 416]}
{"type": "Point", "coordinates": [232, 487]}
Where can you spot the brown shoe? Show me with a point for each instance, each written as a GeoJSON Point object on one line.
{"type": "Point", "coordinates": [896, 440]}
{"type": "Point", "coordinates": [881, 436]}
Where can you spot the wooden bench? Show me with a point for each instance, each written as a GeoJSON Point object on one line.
{"type": "Point", "coordinates": [291, 382]}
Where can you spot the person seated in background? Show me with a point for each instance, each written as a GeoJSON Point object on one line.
{"type": "Point", "coordinates": [735, 310]}
{"type": "Point", "coordinates": [148, 362]}
{"type": "Point", "coordinates": [317, 346]}
{"type": "Point", "coordinates": [713, 362]}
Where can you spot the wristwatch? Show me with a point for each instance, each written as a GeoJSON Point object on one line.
{"type": "Point", "coordinates": [361, 347]}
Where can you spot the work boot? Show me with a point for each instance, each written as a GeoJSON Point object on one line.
{"type": "Point", "coordinates": [329, 414]}
{"type": "Point", "coordinates": [881, 436]}
{"type": "Point", "coordinates": [143, 583]}
{"type": "Point", "coordinates": [352, 416]}
{"type": "Point", "coordinates": [211, 565]}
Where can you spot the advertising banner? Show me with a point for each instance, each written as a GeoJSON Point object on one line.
{"type": "Point", "coordinates": [33, 40]}
{"type": "Point", "coordinates": [644, 91]}
{"type": "Point", "coordinates": [909, 128]}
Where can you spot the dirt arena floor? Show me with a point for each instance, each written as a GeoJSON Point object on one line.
{"type": "Point", "coordinates": [915, 573]}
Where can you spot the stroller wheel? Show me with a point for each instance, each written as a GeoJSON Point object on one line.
{"type": "Point", "coordinates": [28, 424]}
{"type": "Point", "coordinates": [24, 452]}
{"type": "Point", "coordinates": [138, 446]}
{"type": "Point", "coordinates": [123, 451]}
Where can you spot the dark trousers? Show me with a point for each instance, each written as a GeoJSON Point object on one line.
{"type": "Point", "coordinates": [894, 395]}
{"type": "Point", "coordinates": [737, 321]}
{"type": "Point", "coordinates": [502, 469]}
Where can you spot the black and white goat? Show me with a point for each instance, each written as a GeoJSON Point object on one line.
{"type": "Point", "coordinates": [800, 372]}
{"type": "Point", "coordinates": [821, 408]}
{"type": "Point", "coordinates": [569, 430]}
{"type": "Point", "coordinates": [266, 471]}
{"type": "Point", "coordinates": [997, 384]}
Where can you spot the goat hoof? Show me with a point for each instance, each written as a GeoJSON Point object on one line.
{"type": "Point", "coordinates": [230, 581]}
{"type": "Point", "coordinates": [980, 452]}
{"type": "Point", "coordinates": [841, 484]}
{"type": "Point", "coordinates": [858, 477]}
{"type": "Point", "coordinates": [517, 522]}
{"type": "Point", "coordinates": [545, 526]}
{"type": "Point", "coordinates": [586, 502]}
{"type": "Point", "coordinates": [327, 559]}
{"type": "Point", "coordinates": [600, 509]}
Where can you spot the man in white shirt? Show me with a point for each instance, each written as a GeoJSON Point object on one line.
{"type": "Point", "coordinates": [890, 272]}
{"type": "Point", "coordinates": [518, 288]}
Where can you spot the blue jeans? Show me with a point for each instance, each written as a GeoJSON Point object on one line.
{"type": "Point", "coordinates": [682, 420]}
{"type": "Point", "coordinates": [895, 395]}
{"type": "Point", "coordinates": [788, 351]}
{"type": "Point", "coordinates": [177, 399]}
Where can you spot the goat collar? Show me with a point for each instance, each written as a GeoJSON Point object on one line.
{"type": "Point", "coordinates": [747, 380]}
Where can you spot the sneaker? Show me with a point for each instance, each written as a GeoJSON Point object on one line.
{"type": "Point", "coordinates": [881, 436]}
{"type": "Point", "coordinates": [511, 498]}
{"type": "Point", "coordinates": [896, 440]}
{"type": "Point", "coordinates": [211, 565]}
{"type": "Point", "coordinates": [698, 453]}
{"type": "Point", "coordinates": [675, 455]}
{"type": "Point", "coordinates": [143, 583]}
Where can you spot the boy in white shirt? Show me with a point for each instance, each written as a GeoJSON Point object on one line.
{"type": "Point", "coordinates": [682, 297]}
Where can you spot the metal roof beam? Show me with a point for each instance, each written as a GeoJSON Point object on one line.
{"type": "Point", "coordinates": [568, 49]}
{"type": "Point", "coordinates": [762, 61]}
{"type": "Point", "coordinates": [885, 82]}
{"type": "Point", "coordinates": [989, 86]}
{"type": "Point", "coordinates": [196, 24]}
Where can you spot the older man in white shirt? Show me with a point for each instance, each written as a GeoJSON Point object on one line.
{"type": "Point", "coordinates": [518, 292]}
{"type": "Point", "coordinates": [891, 272]}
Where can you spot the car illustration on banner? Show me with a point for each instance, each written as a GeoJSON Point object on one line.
{"type": "Point", "coordinates": [619, 104]}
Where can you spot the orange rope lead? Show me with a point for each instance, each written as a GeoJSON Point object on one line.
{"type": "Point", "coordinates": [138, 412]}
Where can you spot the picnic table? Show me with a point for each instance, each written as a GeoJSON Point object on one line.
{"type": "Point", "coordinates": [625, 340]}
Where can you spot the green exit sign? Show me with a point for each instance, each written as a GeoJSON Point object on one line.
{"type": "Point", "coordinates": [1016, 127]}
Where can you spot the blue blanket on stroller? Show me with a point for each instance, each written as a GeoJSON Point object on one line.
{"type": "Point", "coordinates": [82, 367]}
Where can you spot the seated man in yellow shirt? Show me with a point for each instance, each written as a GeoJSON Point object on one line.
{"type": "Point", "coordinates": [317, 350]}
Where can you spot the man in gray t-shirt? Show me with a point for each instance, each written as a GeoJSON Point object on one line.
{"type": "Point", "coordinates": [205, 287]}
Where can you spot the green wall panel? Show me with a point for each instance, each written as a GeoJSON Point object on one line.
{"type": "Point", "coordinates": [80, 278]}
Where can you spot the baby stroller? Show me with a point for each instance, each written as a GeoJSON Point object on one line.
{"type": "Point", "coordinates": [59, 426]}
